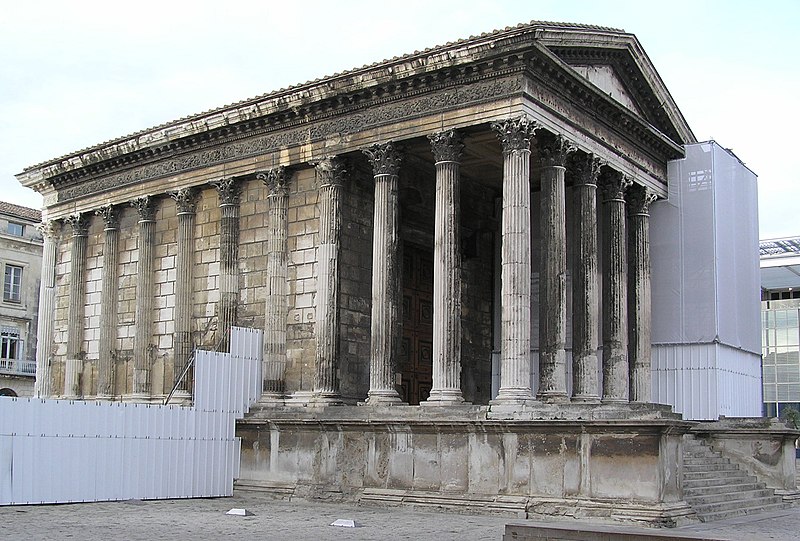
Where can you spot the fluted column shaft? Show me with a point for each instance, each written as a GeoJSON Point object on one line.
{"type": "Point", "coordinates": [446, 386]}
{"type": "Point", "coordinates": [330, 173]}
{"type": "Point", "coordinates": [186, 201]}
{"type": "Point", "coordinates": [108, 304]}
{"type": "Point", "coordinates": [276, 308]}
{"type": "Point", "coordinates": [47, 306]}
{"type": "Point", "coordinates": [145, 294]}
{"type": "Point", "coordinates": [553, 270]}
{"type": "Point", "coordinates": [515, 332]}
{"type": "Point", "coordinates": [585, 305]}
{"type": "Point", "coordinates": [385, 280]}
{"type": "Point", "coordinates": [615, 290]}
{"type": "Point", "coordinates": [76, 309]}
{"type": "Point", "coordinates": [639, 294]}
{"type": "Point", "coordinates": [229, 192]}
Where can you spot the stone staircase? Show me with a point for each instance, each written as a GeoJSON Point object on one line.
{"type": "Point", "coordinates": [717, 489]}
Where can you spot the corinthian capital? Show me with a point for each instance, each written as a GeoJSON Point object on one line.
{"type": "Point", "coordinates": [330, 171]}
{"type": "Point", "coordinates": [49, 229]}
{"type": "Point", "coordinates": [515, 133]}
{"type": "Point", "coordinates": [613, 185]}
{"type": "Point", "coordinates": [79, 223]}
{"type": "Point", "coordinates": [109, 214]}
{"type": "Point", "coordinates": [639, 199]}
{"type": "Point", "coordinates": [446, 146]}
{"type": "Point", "coordinates": [185, 200]}
{"type": "Point", "coordinates": [585, 168]}
{"type": "Point", "coordinates": [553, 149]}
{"type": "Point", "coordinates": [229, 190]}
{"type": "Point", "coordinates": [145, 207]}
{"type": "Point", "coordinates": [385, 159]}
{"type": "Point", "coordinates": [276, 180]}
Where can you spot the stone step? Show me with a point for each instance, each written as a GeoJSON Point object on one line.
{"type": "Point", "coordinates": [725, 497]}
{"type": "Point", "coordinates": [753, 504]}
{"type": "Point", "coordinates": [736, 475]}
{"type": "Point", "coordinates": [709, 467]}
{"type": "Point", "coordinates": [701, 452]}
{"type": "Point", "coordinates": [721, 488]}
{"type": "Point", "coordinates": [724, 515]}
{"type": "Point", "coordinates": [702, 461]}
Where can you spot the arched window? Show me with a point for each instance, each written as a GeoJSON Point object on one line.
{"type": "Point", "coordinates": [7, 392]}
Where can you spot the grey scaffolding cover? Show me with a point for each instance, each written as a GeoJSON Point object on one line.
{"type": "Point", "coordinates": [704, 249]}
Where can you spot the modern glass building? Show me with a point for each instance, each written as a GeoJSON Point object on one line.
{"type": "Point", "coordinates": [780, 323]}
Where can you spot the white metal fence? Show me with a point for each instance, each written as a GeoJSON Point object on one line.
{"type": "Point", "coordinates": [56, 451]}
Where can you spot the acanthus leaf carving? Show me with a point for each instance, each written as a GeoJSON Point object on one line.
{"type": "Point", "coordinates": [447, 146]}
{"type": "Point", "coordinates": [515, 133]}
{"type": "Point", "coordinates": [385, 158]}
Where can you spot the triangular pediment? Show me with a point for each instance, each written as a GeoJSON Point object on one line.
{"type": "Point", "coordinates": [606, 79]}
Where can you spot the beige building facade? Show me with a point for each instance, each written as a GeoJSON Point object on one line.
{"type": "Point", "coordinates": [21, 262]}
{"type": "Point", "coordinates": [441, 249]}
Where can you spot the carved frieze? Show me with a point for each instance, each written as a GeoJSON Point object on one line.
{"type": "Point", "coordinates": [385, 159]}
{"type": "Point", "coordinates": [515, 133]}
{"type": "Point", "coordinates": [346, 124]}
{"type": "Point", "coordinates": [446, 146]}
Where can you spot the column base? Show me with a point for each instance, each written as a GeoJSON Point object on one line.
{"type": "Point", "coordinates": [104, 398]}
{"type": "Point", "coordinates": [271, 399]}
{"type": "Point", "coordinates": [383, 397]}
{"type": "Point", "coordinates": [607, 400]}
{"type": "Point", "coordinates": [181, 398]}
{"type": "Point", "coordinates": [137, 398]}
{"type": "Point", "coordinates": [553, 397]}
{"type": "Point", "coordinates": [513, 397]}
{"type": "Point", "coordinates": [327, 399]}
{"type": "Point", "coordinates": [300, 398]}
{"type": "Point", "coordinates": [444, 398]}
{"type": "Point", "coordinates": [586, 399]}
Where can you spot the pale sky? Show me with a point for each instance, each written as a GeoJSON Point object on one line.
{"type": "Point", "coordinates": [75, 74]}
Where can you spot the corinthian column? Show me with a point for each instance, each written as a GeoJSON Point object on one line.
{"type": "Point", "coordinates": [108, 304]}
{"type": "Point", "coordinates": [145, 292]}
{"type": "Point", "coordinates": [330, 174]}
{"type": "Point", "coordinates": [639, 304]}
{"type": "Point", "coordinates": [585, 306]}
{"type": "Point", "coordinates": [553, 151]}
{"type": "Point", "coordinates": [77, 301]}
{"type": "Point", "coordinates": [276, 309]}
{"type": "Point", "coordinates": [615, 289]}
{"type": "Point", "coordinates": [186, 203]}
{"type": "Point", "coordinates": [515, 331]}
{"type": "Point", "coordinates": [447, 148]}
{"type": "Point", "coordinates": [47, 307]}
{"type": "Point", "coordinates": [229, 191]}
{"type": "Point", "coordinates": [385, 160]}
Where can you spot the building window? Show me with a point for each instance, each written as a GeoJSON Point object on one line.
{"type": "Point", "coordinates": [10, 344]}
{"type": "Point", "coordinates": [16, 229]}
{"type": "Point", "coordinates": [12, 285]}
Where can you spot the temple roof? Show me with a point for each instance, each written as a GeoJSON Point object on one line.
{"type": "Point", "coordinates": [571, 44]}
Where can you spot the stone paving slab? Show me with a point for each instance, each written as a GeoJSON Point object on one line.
{"type": "Point", "coordinates": [205, 519]}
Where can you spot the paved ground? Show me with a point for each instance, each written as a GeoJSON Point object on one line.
{"type": "Point", "coordinates": [206, 520]}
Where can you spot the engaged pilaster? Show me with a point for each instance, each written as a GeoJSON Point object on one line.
{"type": "Point", "coordinates": [385, 160]}
{"type": "Point", "coordinates": [515, 331]}
{"type": "Point", "coordinates": [145, 292]}
{"type": "Point", "coordinates": [553, 150]}
{"type": "Point", "coordinates": [330, 175]}
{"type": "Point", "coordinates": [585, 305]}
{"type": "Point", "coordinates": [447, 148]}
{"type": "Point", "coordinates": [639, 295]}
{"type": "Point", "coordinates": [229, 191]}
{"type": "Point", "coordinates": [276, 308]}
{"type": "Point", "coordinates": [47, 307]}
{"type": "Point", "coordinates": [615, 289]}
{"type": "Point", "coordinates": [77, 302]}
{"type": "Point", "coordinates": [108, 304]}
{"type": "Point", "coordinates": [186, 203]}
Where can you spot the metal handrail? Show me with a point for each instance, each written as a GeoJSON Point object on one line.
{"type": "Point", "coordinates": [182, 375]}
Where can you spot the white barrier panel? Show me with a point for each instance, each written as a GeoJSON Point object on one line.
{"type": "Point", "coordinates": [58, 451]}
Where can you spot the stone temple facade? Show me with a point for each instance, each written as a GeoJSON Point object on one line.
{"type": "Point", "coordinates": [448, 253]}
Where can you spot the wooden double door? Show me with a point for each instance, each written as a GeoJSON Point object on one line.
{"type": "Point", "coordinates": [415, 362]}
